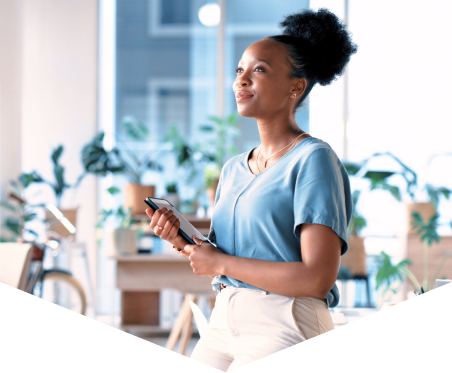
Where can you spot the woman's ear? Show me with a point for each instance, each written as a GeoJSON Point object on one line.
{"type": "Point", "coordinates": [299, 87]}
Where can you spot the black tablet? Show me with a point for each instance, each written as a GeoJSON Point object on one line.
{"type": "Point", "coordinates": [186, 230]}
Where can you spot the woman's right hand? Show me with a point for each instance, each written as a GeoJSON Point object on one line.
{"type": "Point", "coordinates": [166, 226]}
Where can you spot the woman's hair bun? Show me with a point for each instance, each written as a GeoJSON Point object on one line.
{"type": "Point", "coordinates": [322, 40]}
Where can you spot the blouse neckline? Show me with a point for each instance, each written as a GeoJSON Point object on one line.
{"type": "Point", "coordinates": [290, 151]}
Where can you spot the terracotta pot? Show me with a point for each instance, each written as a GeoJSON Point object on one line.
{"type": "Point", "coordinates": [424, 208]}
{"type": "Point", "coordinates": [212, 191]}
{"type": "Point", "coordinates": [135, 194]}
{"type": "Point", "coordinates": [70, 214]}
{"type": "Point", "coordinates": [355, 257]}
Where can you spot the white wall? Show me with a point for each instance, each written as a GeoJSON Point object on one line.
{"type": "Point", "coordinates": [10, 92]}
{"type": "Point", "coordinates": [399, 96]}
{"type": "Point", "coordinates": [48, 96]}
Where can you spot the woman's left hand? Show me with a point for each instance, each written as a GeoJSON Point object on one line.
{"type": "Point", "coordinates": [204, 258]}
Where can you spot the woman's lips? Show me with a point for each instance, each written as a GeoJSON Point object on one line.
{"type": "Point", "coordinates": [243, 96]}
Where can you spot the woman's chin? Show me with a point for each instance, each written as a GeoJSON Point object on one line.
{"type": "Point", "coordinates": [245, 112]}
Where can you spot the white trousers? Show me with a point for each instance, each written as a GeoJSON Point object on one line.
{"type": "Point", "coordinates": [248, 324]}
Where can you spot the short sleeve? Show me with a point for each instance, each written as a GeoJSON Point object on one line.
{"type": "Point", "coordinates": [322, 194]}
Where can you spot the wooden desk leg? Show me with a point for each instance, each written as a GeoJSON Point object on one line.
{"type": "Point", "coordinates": [140, 308]}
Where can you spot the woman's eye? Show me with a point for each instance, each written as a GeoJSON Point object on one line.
{"type": "Point", "coordinates": [260, 69]}
{"type": "Point", "coordinates": [238, 70]}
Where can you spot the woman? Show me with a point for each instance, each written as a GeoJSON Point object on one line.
{"type": "Point", "coordinates": [281, 209]}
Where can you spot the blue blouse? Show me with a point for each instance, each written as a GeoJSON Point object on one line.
{"type": "Point", "coordinates": [259, 216]}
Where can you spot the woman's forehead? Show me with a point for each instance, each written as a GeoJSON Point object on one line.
{"type": "Point", "coordinates": [265, 50]}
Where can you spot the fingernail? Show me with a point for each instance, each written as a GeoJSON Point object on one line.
{"type": "Point", "coordinates": [193, 236]}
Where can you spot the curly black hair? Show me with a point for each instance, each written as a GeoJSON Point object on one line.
{"type": "Point", "coordinates": [319, 46]}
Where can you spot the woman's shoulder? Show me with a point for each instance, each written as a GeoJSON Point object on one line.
{"type": "Point", "coordinates": [312, 147]}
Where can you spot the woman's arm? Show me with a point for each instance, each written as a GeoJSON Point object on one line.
{"type": "Point", "coordinates": [315, 276]}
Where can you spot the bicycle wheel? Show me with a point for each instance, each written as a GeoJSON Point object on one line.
{"type": "Point", "coordinates": [63, 289]}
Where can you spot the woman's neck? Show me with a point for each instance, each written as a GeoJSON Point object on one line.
{"type": "Point", "coordinates": [277, 133]}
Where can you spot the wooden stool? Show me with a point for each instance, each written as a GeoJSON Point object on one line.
{"type": "Point", "coordinates": [183, 326]}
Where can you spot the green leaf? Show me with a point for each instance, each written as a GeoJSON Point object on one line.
{"type": "Point", "coordinates": [135, 128]}
{"type": "Point", "coordinates": [387, 272]}
{"type": "Point", "coordinates": [32, 177]}
{"type": "Point", "coordinates": [395, 192]}
{"type": "Point", "coordinates": [31, 231]}
{"type": "Point", "coordinates": [378, 176]}
{"type": "Point", "coordinates": [232, 119]}
{"type": "Point", "coordinates": [416, 220]}
{"type": "Point", "coordinates": [113, 190]}
{"type": "Point", "coordinates": [352, 168]}
{"type": "Point", "coordinates": [13, 225]}
{"type": "Point", "coordinates": [8, 206]}
{"type": "Point", "coordinates": [60, 185]}
{"type": "Point", "coordinates": [29, 217]}
{"type": "Point", "coordinates": [215, 119]}
{"type": "Point", "coordinates": [14, 184]}
{"type": "Point", "coordinates": [56, 154]}
{"type": "Point", "coordinates": [206, 128]}
{"type": "Point", "coordinates": [171, 188]}
{"type": "Point", "coordinates": [153, 165]}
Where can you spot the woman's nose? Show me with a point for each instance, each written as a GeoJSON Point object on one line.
{"type": "Point", "coordinates": [242, 81]}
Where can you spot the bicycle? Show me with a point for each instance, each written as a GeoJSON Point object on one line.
{"type": "Point", "coordinates": [54, 284]}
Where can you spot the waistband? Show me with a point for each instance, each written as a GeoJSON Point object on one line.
{"type": "Point", "coordinates": [223, 286]}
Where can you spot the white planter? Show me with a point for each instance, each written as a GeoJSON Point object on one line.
{"type": "Point", "coordinates": [121, 241]}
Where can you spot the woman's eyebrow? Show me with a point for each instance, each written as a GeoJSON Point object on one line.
{"type": "Point", "coordinates": [258, 59]}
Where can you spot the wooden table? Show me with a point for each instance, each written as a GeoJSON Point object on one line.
{"type": "Point", "coordinates": [140, 277]}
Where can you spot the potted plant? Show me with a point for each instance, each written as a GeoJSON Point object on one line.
{"type": "Point", "coordinates": [171, 195]}
{"type": "Point", "coordinates": [225, 130]}
{"type": "Point", "coordinates": [120, 238]}
{"type": "Point", "coordinates": [389, 278]}
{"type": "Point", "coordinates": [58, 186]}
{"type": "Point", "coordinates": [379, 180]}
{"type": "Point", "coordinates": [207, 157]}
{"type": "Point", "coordinates": [136, 163]}
{"type": "Point", "coordinates": [389, 273]}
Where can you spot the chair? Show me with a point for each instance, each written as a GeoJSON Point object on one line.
{"type": "Point", "coordinates": [183, 326]}
{"type": "Point", "coordinates": [15, 260]}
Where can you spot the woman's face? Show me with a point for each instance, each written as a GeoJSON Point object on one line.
{"type": "Point", "coordinates": [263, 87]}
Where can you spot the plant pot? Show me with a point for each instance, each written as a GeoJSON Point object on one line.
{"type": "Point", "coordinates": [211, 192]}
{"type": "Point", "coordinates": [58, 228]}
{"type": "Point", "coordinates": [135, 194]}
{"type": "Point", "coordinates": [173, 198]}
{"type": "Point", "coordinates": [121, 241]}
{"type": "Point", "coordinates": [424, 208]}
{"type": "Point", "coordinates": [355, 257]}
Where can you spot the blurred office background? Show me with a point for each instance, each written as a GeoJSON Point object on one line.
{"type": "Point", "coordinates": [149, 74]}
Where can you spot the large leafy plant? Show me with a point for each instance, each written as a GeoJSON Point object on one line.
{"type": "Point", "coordinates": [387, 272]}
{"type": "Point", "coordinates": [120, 217]}
{"type": "Point", "coordinates": [134, 161]}
{"type": "Point", "coordinates": [210, 155]}
{"type": "Point", "coordinates": [379, 179]}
